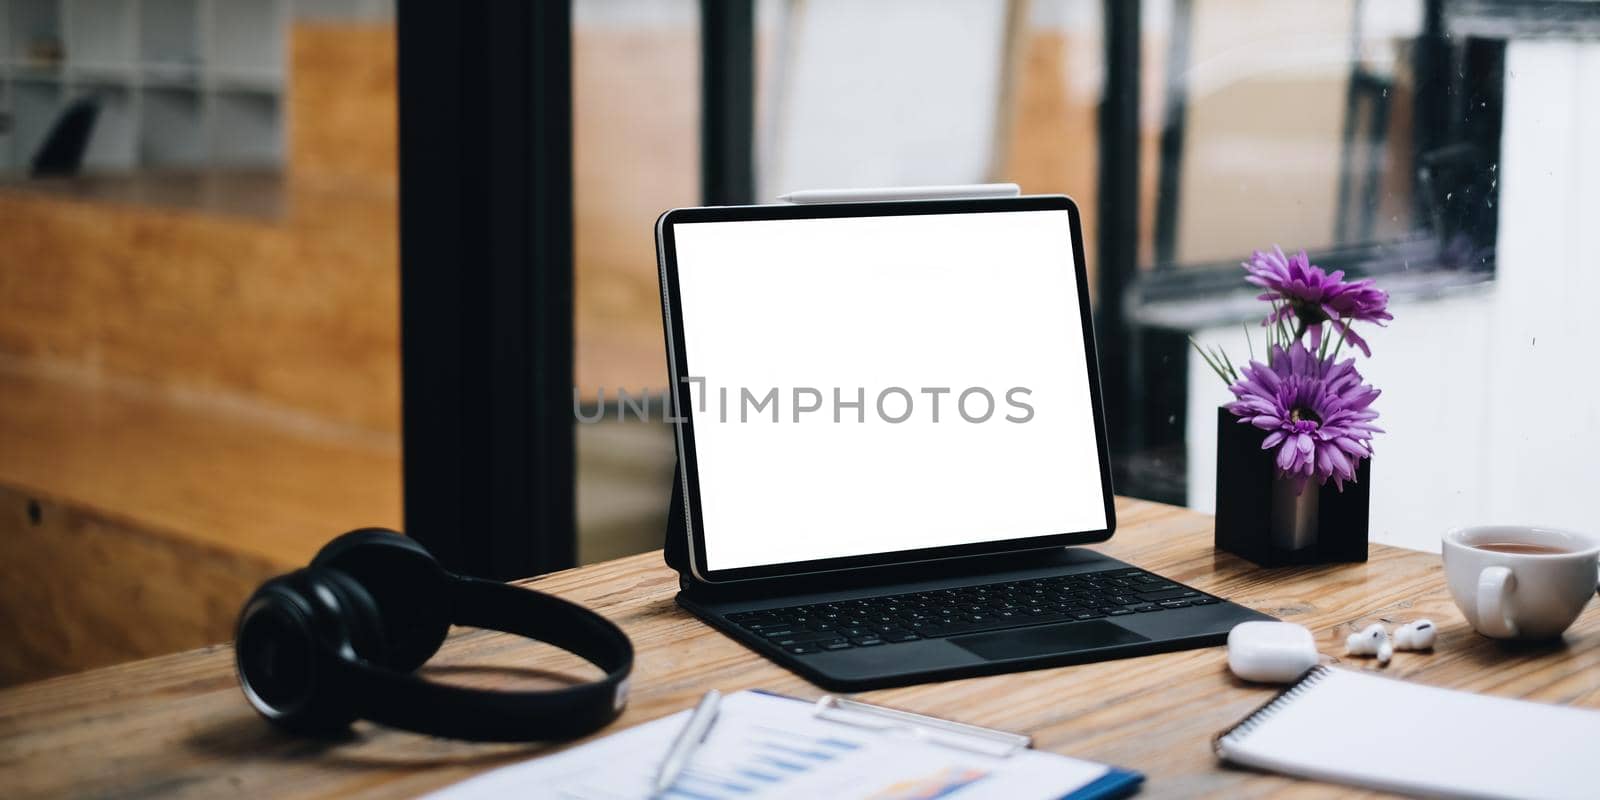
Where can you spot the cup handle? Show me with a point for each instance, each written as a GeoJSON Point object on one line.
{"type": "Point", "coordinates": [1494, 585]}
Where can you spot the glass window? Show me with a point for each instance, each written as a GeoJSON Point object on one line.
{"type": "Point", "coordinates": [636, 153]}
{"type": "Point", "coordinates": [1437, 148]}
{"type": "Point", "coordinates": [1387, 139]}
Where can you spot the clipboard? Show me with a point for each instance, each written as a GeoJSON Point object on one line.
{"type": "Point", "coordinates": [934, 730]}
{"type": "Point", "coordinates": [1115, 783]}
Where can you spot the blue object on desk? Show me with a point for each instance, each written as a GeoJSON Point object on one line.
{"type": "Point", "coordinates": [1114, 784]}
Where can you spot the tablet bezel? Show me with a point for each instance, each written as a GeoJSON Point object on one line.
{"type": "Point", "coordinates": [678, 367]}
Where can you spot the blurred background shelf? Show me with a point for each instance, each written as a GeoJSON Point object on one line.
{"type": "Point", "coordinates": [173, 82]}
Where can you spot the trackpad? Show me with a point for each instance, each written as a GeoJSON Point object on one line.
{"type": "Point", "coordinates": [1047, 639]}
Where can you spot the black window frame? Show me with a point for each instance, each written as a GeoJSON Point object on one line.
{"type": "Point", "coordinates": [486, 227]}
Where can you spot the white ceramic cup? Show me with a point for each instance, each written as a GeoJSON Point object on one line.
{"type": "Point", "coordinates": [1521, 595]}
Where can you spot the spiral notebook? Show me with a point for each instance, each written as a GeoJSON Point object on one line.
{"type": "Point", "coordinates": [770, 746]}
{"type": "Point", "coordinates": [1382, 733]}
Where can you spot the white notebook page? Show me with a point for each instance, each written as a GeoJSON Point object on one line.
{"type": "Point", "coordinates": [1356, 728]}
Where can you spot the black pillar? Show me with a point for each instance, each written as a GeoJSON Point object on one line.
{"type": "Point", "coordinates": [1118, 235]}
{"type": "Point", "coordinates": [728, 101]}
{"type": "Point", "coordinates": [1176, 110]}
{"type": "Point", "coordinates": [486, 283]}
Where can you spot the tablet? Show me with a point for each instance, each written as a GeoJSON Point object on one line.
{"type": "Point", "coordinates": [869, 384]}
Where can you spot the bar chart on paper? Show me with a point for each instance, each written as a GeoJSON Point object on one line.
{"type": "Point", "coordinates": [743, 760]}
{"type": "Point", "coordinates": [765, 746]}
{"type": "Point", "coordinates": [731, 764]}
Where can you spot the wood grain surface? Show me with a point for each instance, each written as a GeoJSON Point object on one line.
{"type": "Point", "coordinates": [278, 290]}
{"type": "Point", "coordinates": [81, 590]}
{"type": "Point", "coordinates": [270, 487]}
{"type": "Point", "coordinates": [178, 725]}
{"type": "Point", "coordinates": [134, 521]}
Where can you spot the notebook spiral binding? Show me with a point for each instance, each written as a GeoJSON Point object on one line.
{"type": "Point", "coordinates": [1255, 718]}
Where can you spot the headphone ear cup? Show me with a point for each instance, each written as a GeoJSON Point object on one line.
{"type": "Point", "coordinates": [291, 636]}
{"type": "Point", "coordinates": [363, 622]}
{"type": "Point", "coordinates": [409, 590]}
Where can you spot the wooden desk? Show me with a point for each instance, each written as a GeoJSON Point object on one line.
{"type": "Point", "coordinates": [178, 725]}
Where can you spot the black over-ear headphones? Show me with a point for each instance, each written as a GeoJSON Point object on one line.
{"type": "Point", "coordinates": [320, 647]}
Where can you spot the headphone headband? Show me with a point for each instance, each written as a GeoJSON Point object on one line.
{"type": "Point", "coordinates": [410, 702]}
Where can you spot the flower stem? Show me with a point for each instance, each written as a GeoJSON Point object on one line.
{"type": "Point", "coordinates": [1213, 363]}
{"type": "Point", "coordinates": [1343, 327]}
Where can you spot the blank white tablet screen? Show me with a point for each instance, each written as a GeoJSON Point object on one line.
{"type": "Point", "coordinates": [922, 319]}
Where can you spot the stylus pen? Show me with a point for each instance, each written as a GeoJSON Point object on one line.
{"type": "Point", "coordinates": [966, 191]}
{"type": "Point", "coordinates": [688, 741]}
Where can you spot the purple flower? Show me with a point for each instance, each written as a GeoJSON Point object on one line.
{"type": "Point", "coordinates": [1314, 296]}
{"type": "Point", "coordinates": [1316, 412]}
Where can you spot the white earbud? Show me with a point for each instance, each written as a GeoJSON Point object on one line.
{"type": "Point", "coordinates": [1418, 635]}
{"type": "Point", "coordinates": [1371, 641]}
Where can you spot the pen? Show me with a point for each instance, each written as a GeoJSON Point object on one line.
{"type": "Point", "coordinates": [902, 193]}
{"type": "Point", "coordinates": [689, 739]}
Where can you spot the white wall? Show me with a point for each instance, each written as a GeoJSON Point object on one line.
{"type": "Point", "coordinates": [888, 93]}
{"type": "Point", "coordinates": [1492, 396]}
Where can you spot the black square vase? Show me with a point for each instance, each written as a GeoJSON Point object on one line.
{"type": "Point", "coordinates": [1260, 518]}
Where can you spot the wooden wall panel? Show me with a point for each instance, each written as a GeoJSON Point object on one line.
{"type": "Point", "coordinates": [343, 120]}
{"type": "Point", "coordinates": [271, 486]}
{"type": "Point", "coordinates": [1053, 143]}
{"type": "Point", "coordinates": [80, 590]}
{"type": "Point", "coordinates": [295, 310]}
{"type": "Point", "coordinates": [636, 153]}
{"type": "Point", "coordinates": [302, 315]}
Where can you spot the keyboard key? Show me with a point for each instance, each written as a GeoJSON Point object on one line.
{"type": "Point", "coordinates": [836, 645]}
{"type": "Point", "coordinates": [804, 637]}
{"type": "Point", "coordinates": [802, 649]}
{"type": "Point", "coordinates": [765, 626]}
{"type": "Point", "coordinates": [1203, 601]}
{"type": "Point", "coordinates": [901, 636]}
{"type": "Point", "coordinates": [1083, 615]}
{"type": "Point", "coordinates": [1168, 594]}
{"type": "Point", "coordinates": [1175, 604]}
{"type": "Point", "coordinates": [1145, 608]}
{"type": "Point", "coordinates": [867, 641]}
{"type": "Point", "coordinates": [1118, 612]}
{"type": "Point", "coordinates": [957, 628]}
